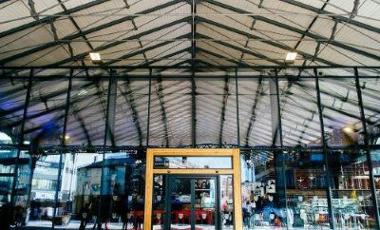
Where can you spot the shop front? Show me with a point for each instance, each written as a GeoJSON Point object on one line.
{"type": "Point", "coordinates": [194, 189]}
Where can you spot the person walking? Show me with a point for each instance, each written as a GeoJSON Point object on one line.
{"type": "Point", "coordinates": [85, 215]}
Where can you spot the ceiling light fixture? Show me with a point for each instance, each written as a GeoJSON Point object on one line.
{"type": "Point", "coordinates": [95, 58]}
{"type": "Point", "coordinates": [82, 92]}
{"type": "Point", "coordinates": [291, 56]}
{"type": "Point", "coordinates": [348, 130]}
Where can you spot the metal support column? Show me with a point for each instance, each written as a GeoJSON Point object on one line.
{"type": "Point", "coordinates": [367, 147]}
{"type": "Point", "coordinates": [279, 156]}
{"type": "Point", "coordinates": [111, 109]}
{"type": "Point", "coordinates": [237, 106]}
{"type": "Point", "coordinates": [108, 135]}
{"type": "Point", "coordinates": [20, 143]}
{"type": "Point", "coordinates": [149, 101]}
{"type": "Point", "coordinates": [63, 145]}
{"type": "Point", "coordinates": [193, 114]}
{"type": "Point", "coordinates": [325, 152]}
{"type": "Point", "coordinates": [275, 111]}
{"type": "Point", "coordinates": [193, 86]}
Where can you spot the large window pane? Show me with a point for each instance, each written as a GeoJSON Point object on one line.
{"type": "Point", "coordinates": [216, 111]}
{"type": "Point", "coordinates": [44, 183]}
{"type": "Point", "coordinates": [86, 121]}
{"type": "Point", "coordinates": [352, 201]}
{"type": "Point", "coordinates": [44, 122]}
{"type": "Point", "coordinates": [170, 118]}
{"type": "Point", "coordinates": [131, 112]}
{"type": "Point", "coordinates": [299, 113]}
{"type": "Point", "coordinates": [255, 112]}
{"type": "Point", "coordinates": [193, 162]}
{"type": "Point", "coordinates": [340, 111]}
{"type": "Point", "coordinates": [306, 187]}
{"type": "Point", "coordinates": [371, 104]}
{"type": "Point", "coordinates": [263, 190]}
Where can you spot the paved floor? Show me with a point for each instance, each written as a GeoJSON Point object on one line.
{"type": "Point", "coordinates": [74, 225]}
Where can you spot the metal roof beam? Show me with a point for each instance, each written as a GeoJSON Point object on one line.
{"type": "Point", "coordinates": [315, 36]}
{"type": "Point", "coordinates": [193, 32]}
{"type": "Point", "coordinates": [166, 57]}
{"type": "Point", "coordinates": [306, 129]}
{"type": "Point", "coordinates": [116, 43]}
{"type": "Point", "coordinates": [33, 102]}
{"type": "Point", "coordinates": [340, 97]}
{"type": "Point", "coordinates": [239, 63]}
{"type": "Point", "coordinates": [223, 112]}
{"type": "Point", "coordinates": [159, 92]}
{"type": "Point", "coordinates": [274, 99]}
{"type": "Point", "coordinates": [193, 84]}
{"type": "Point", "coordinates": [335, 109]}
{"type": "Point", "coordinates": [51, 18]}
{"type": "Point", "coordinates": [253, 111]}
{"type": "Point", "coordinates": [68, 38]}
{"type": "Point", "coordinates": [39, 114]}
{"type": "Point", "coordinates": [241, 49]}
{"type": "Point", "coordinates": [111, 110]}
{"type": "Point", "coordinates": [300, 113]}
{"type": "Point", "coordinates": [130, 99]}
{"type": "Point", "coordinates": [266, 41]}
{"type": "Point", "coordinates": [375, 69]}
{"type": "Point", "coordinates": [309, 28]}
{"type": "Point", "coordinates": [176, 65]}
{"type": "Point", "coordinates": [141, 51]}
{"type": "Point", "coordinates": [65, 10]}
{"type": "Point", "coordinates": [82, 124]}
{"type": "Point", "coordinates": [337, 18]}
{"type": "Point", "coordinates": [79, 118]}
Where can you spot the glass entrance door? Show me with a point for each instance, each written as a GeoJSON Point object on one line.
{"type": "Point", "coordinates": [192, 203]}
{"type": "Point", "coordinates": [193, 189]}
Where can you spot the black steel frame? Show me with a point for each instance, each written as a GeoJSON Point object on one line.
{"type": "Point", "coordinates": [8, 73]}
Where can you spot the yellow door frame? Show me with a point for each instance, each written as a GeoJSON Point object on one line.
{"type": "Point", "coordinates": [175, 152]}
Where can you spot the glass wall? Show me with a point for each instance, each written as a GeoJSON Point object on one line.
{"type": "Point", "coordinates": [369, 87]}
{"type": "Point", "coordinates": [352, 201]}
{"type": "Point", "coordinates": [289, 180]}
{"type": "Point", "coordinates": [263, 190]}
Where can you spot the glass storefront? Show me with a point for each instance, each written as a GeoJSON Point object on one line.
{"type": "Point", "coordinates": [293, 182]}
{"type": "Point", "coordinates": [286, 189]}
